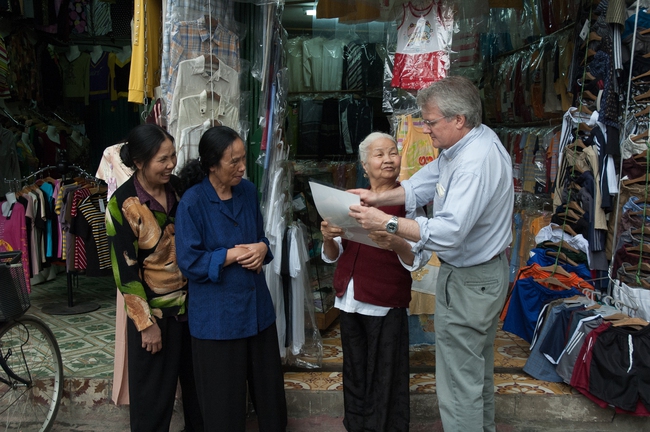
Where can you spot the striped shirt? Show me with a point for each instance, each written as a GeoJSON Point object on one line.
{"type": "Point", "coordinates": [90, 210]}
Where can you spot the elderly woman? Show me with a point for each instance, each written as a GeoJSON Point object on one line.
{"type": "Point", "coordinates": [221, 248]}
{"type": "Point", "coordinates": [140, 229]}
{"type": "Point", "coordinates": [373, 290]}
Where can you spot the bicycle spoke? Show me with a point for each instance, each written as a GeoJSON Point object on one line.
{"type": "Point", "coordinates": [35, 358]}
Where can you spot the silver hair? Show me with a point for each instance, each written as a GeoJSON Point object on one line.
{"type": "Point", "coordinates": [454, 95]}
{"type": "Point", "coordinates": [374, 136]}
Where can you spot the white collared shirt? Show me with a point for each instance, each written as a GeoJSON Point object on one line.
{"type": "Point", "coordinates": [195, 76]}
{"type": "Point", "coordinates": [472, 190]}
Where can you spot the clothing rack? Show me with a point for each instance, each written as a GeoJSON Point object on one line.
{"type": "Point", "coordinates": [10, 117]}
{"type": "Point", "coordinates": [69, 307]}
{"type": "Point", "coordinates": [15, 182]}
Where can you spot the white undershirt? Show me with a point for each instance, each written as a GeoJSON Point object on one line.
{"type": "Point", "coordinates": [347, 302]}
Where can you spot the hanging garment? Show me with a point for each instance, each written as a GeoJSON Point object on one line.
{"type": "Point", "coordinates": [98, 18]}
{"type": "Point", "coordinates": [99, 78]}
{"type": "Point", "coordinates": [190, 39]}
{"type": "Point", "coordinates": [422, 55]}
{"type": "Point", "coordinates": [417, 150]}
{"type": "Point", "coordinates": [119, 69]}
{"type": "Point", "coordinates": [294, 64]}
{"type": "Point", "coordinates": [13, 236]}
{"type": "Point", "coordinates": [145, 64]}
{"type": "Point", "coordinates": [332, 78]}
{"type": "Point", "coordinates": [312, 60]}
{"type": "Point", "coordinates": [309, 118]}
{"type": "Point", "coordinates": [198, 75]}
{"type": "Point", "coordinates": [76, 76]}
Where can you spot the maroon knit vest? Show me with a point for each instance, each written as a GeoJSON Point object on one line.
{"type": "Point", "coordinates": [379, 277]}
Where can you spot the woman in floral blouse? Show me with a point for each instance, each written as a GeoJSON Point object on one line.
{"type": "Point", "coordinates": [140, 228]}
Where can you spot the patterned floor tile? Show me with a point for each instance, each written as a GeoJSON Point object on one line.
{"type": "Point", "coordinates": [516, 384]}
{"type": "Point", "coordinates": [422, 383]}
{"type": "Point", "coordinates": [87, 343]}
{"type": "Point", "coordinates": [313, 381]}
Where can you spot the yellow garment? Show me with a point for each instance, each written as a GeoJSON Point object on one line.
{"type": "Point", "coordinates": [417, 150]}
{"type": "Point", "coordinates": [151, 45]}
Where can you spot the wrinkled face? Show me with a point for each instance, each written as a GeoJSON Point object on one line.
{"type": "Point", "coordinates": [444, 131]}
{"type": "Point", "coordinates": [232, 166]}
{"type": "Point", "coordinates": [383, 160]}
{"type": "Point", "coordinates": [159, 169]}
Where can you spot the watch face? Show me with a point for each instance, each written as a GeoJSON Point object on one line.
{"type": "Point", "coordinates": [391, 226]}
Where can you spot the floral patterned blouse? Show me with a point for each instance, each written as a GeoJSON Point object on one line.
{"type": "Point", "coordinates": [143, 254]}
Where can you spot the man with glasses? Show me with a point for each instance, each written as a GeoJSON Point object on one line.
{"type": "Point", "coordinates": [472, 191]}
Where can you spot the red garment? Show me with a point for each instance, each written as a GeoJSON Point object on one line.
{"type": "Point", "coordinates": [379, 277]}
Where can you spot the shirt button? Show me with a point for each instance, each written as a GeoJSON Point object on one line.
{"type": "Point", "coordinates": [236, 224]}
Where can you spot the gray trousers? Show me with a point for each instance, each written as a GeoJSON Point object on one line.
{"type": "Point", "coordinates": [468, 303]}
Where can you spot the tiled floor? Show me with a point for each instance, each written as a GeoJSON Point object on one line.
{"type": "Point", "coordinates": [87, 346]}
{"type": "Point", "coordinates": [87, 341]}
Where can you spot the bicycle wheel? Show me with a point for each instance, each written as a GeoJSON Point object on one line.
{"type": "Point", "coordinates": [32, 353]}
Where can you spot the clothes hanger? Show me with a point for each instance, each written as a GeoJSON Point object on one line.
{"type": "Point", "coordinates": [644, 231]}
{"type": "Point", "coordinates": [644, 95]}
{"type": "Point", "coordinates": [640, 248]}
{"type": "Point", "coordinates": [211, 21]}
{"type": "Point", "coordinates": [563, 245]}
{"type": "Point", "coordinates": [567, 229]}
{"type": "Point", "coordinates": [639, 200]}
{"type": "Point", "coordinates": [644, 74]}
{"type": "Point", "coordinates": [636, 323]}
{"type": "Point", "coordinates": [576, 207]}
{"type": "Point", "coordinates": [642, 135]}
{"type": "Point", "coordinates": [569, 215]}
{"type": "Point", "coordinates": [578, 168]}
{"type": "Point", "coordinates": [577, 144]}
{"type": "Point", "coordinates": [593, 36]}
{"type": "Point", "coordinates": [644, 178]}
{"type": "Point", "coordinates": [584, 126]}
{"type": "Point", "coordinates": [645, 110]}
{"type": "Point", "coordinates": [552, 269]}
{"type": "Point", "coordinates": [584, 109]}
{"type": "Point", "coordinates": [590, 53]}
{"type": "Point", "coordinates": [552, 281]}
{"type": "Point", "coordinates": [562, 257]}
{"type": "Point", "coordinates": [589, 95]}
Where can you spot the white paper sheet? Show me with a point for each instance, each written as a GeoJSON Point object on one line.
{"type": "Point", "coordinates": [333, 206]}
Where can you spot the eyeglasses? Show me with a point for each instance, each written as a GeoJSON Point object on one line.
{"type": "Point", "coordinates": [431, 123]}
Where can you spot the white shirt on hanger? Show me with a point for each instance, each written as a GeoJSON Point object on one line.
{"type": "Point", "coordinates": [195, 76]}
{"type": "Point", "coordinates": [194, 110]}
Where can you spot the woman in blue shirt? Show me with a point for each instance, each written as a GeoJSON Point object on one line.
{"type": "Point", "coordinates": [221, 248]}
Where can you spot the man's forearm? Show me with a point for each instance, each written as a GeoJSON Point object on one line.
{"type": "Point", "coordinates": [395, 196]}
{"type": "Point", "coordinates": [408, 229]}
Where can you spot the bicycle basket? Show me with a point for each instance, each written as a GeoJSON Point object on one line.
{"type": "Point", "coordinates": [14, 298]}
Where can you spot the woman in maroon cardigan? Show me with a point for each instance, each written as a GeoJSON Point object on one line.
{"type": "Point", "coordinates": [373, 290]}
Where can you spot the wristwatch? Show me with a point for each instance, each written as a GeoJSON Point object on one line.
{"type": "Point", "coordinates": [391, 225]}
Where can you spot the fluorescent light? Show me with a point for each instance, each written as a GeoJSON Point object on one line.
{"type": "Point", "coordinates": [310, 12]}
